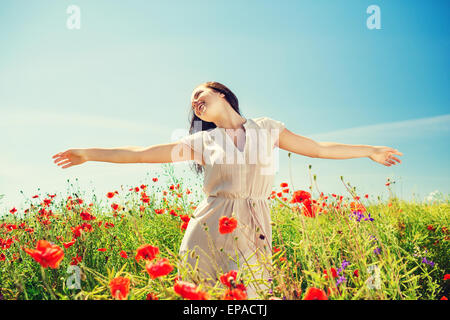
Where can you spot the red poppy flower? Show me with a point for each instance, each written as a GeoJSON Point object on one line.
{"type": "Point", "coordinates": [307, 209]}
{"type": "Point", "coordinates": [159, 268]}
{"type": "Point", "coordinates": [86, 216]}
{"type": "Point", "coordinates": [109, 225]}
{"type": "Point", "coordinates": [76, 260]}
{"type": "Point", "coordinates": [189, 291]}
{"type": "Point", "coordinates": [356, 273]}
{"type": "Point", "coordinates": [227, 277]}
{"type": "Point", "coordinates": [146, 252]}
{"type": "Point", "coordinates": [101, 249]}
{"type": "Point", "coordinates": [300, 196]}
{"type": "Point", "coordinates": [13, 210]}
{"type": "Point", "coordinates": [110, 195]}
{"type": "Point", "coordinates": [136, 189]}
{"type": "Point", "coordinates": [151, 296]}
{"type": "Point", "coordinates": [173, 213]}
{"type": "Point", "coordinates": [283, 185]}
{"type": "Point", "coordinates": [115, 206]}
{"type": "Point", "coordinates": [35, 196]}
{"type": "Point", "coordinates": [184, 226]}
{"type": "Point", "coordinates": [10, 226]}
{"type": "Point", "coordinates": [234, 294]}
{"type": "Point", "coordinates": [120, 287]}
{"type": "Point", "coordinates": [123, 254]}
{"type": "Point", "coordinates": [444, 298]}
{"type": "Point", "coordinates": [315, 294]}
{"type": "Point", "coordinates": [46, 254]}
{"type": "Point", "coordinates": [155, 179]}
{"type": "Point", "coordinates": [69, 244]}
{"type": "Point", "coordinates": [333, 273]}
{"type": "Point", "coordinates": [5, 243]}
{"type": "Point", "coordinates": [355, 206]}
{"type": "Point", "coordinates": [447, 276]}
{"type": "Point", "coordinates": [86, 227]}
{"type": "Point", "coordinates": [227, 225]}
{"type": "Point", "coordinates": [185, 218]}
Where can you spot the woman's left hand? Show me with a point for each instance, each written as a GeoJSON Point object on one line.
{"type": "Point", "coordinates": [385, 155]}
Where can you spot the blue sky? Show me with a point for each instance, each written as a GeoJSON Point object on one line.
{"type": "Point", "coordinates": [126, 77]}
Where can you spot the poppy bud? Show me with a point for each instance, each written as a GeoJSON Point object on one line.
{"type": "Point", "coordinates": [231, 281]}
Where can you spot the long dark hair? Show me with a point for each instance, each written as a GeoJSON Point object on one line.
{"type": "Point", "coordinates": [205, 125]}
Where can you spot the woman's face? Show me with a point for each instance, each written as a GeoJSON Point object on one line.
{"type": "Point", "coordinates": [207, 104]}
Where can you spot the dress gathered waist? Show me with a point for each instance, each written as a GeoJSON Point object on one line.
{"type": "Point", "coordinates": [232, 196]}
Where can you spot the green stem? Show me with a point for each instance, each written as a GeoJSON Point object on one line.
{"type": "Point", "coordinates": [44, 279]}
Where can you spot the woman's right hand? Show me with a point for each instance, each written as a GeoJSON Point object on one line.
{"type": "Point", "coordinates": [71, 157]}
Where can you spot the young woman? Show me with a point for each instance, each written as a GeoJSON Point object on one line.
{"type": "Point", "coordinates": [236, 156]}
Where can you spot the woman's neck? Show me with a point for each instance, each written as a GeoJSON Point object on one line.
{"type": "Point", "coordinates": [231, 121]}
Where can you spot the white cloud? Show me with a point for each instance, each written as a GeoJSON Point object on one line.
{"type": "Point", "coordinates": [399, 129]}
{"type": "Point", "coordinates": [48, 119]}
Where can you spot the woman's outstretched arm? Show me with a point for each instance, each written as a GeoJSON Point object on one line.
{"type": "Point", "coordinates": [332, 150]}
{"type": "Point", "coordinates": [160, 153]}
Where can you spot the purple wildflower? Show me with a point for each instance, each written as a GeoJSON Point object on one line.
{"type": "Point", "coordinates": [377, 250]}
{"type": "Point", "coordinates": [340, 280]}
{"type": "Point", "coordinates": [359, 216]}
{"type": "Point", "coordinates": [344, 265]}
{"type": "Point", "coordinates": [429, 262]}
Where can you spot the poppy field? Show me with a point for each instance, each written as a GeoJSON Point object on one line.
{"type": "Point", "coordinates": [124, 245]}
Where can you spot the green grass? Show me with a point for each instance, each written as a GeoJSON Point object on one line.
{"type": "Point", "coordinates": [404, 232]}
